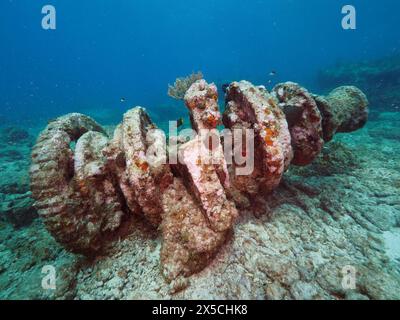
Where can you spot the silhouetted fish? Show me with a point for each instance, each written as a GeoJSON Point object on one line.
{"type": "Point", "coordinates": [180, 122]}
{"type": "Point", "coordinates": [225, 87]}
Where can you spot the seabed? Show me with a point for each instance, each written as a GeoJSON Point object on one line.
{"type": "Point", "coordinates": [343, 210]}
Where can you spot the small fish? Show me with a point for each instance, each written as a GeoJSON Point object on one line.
{"type": "Point", "coordinates": [180, 122]}
{"type": "Point", "coordinates": [272, 73]}
{"type": "Point", "coordinates": [122, 100]}
{"type": "Point", "coordinates": [225, 87]}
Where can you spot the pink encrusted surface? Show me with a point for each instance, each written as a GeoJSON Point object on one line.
{"type": "Point", "coordinates": [145, 178]}
{"type": "Point", "coordinates": [201, 100]}
{"type": "Point", "coordinates": [189, 243]}
{"type": "Point", "coordinates": [82, 194]}
{"type": "Point", "coordinates": [253, 107]}
{"type": "Point", "coordinates": [197, 168]}
{"type": "Point", "coordinates": [305, 121]}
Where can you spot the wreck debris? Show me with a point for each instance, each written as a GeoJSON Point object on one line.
{"type": "Point", "coordinates": [304, 120]}
{"type": "Point", "coordinates": [83, 192]}
{"type": "Point", "coordinates": [200, 175]}
{"type": "Point", "coordinates": [344, 110]}
{"type": "Point", "coordinates": [93, 181]}
{"type": "Point", "coordinates": [197, 213]}
{"type": "Point", "coordinates": [145, 178]}
{"type": "Point", "coordinates": [189, 243]}
{"type": "Point", "coordinates": [251, 107]}
{"type": "Point", "coordinates": [77, 202]}
{"type": "Point", "coordinates": [201, 100]}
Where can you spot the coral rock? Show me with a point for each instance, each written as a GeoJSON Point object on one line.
{"type": "Point", "coordinates": [378, 79]}
{"type": "Point", "coordinates": [304, 119]}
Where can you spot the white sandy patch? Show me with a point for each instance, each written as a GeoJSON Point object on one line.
{"type": "Point", "coordinates": [392, 243]}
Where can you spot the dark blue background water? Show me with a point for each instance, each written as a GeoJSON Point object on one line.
{"type": "Point", "coordinates": [107, 49]}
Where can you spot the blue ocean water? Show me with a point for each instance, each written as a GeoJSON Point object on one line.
{"type": "Point", "coordinates": [102, 51]}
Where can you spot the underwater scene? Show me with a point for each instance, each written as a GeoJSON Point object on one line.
{"type": "Point", "coordinates": [199, 150]}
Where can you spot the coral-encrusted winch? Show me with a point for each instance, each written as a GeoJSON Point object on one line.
{"type": "Point", "coordinates": [82, 193]}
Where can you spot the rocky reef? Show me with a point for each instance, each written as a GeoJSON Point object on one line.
{"type": "Point", "coordinates": [16, 203]}
{"type": "Point", "coordinates": [378, 79]}
{"type": "Point", "coordinates": [89, 188]}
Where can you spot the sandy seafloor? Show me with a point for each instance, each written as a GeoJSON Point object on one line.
{"type": "Point", "coordinates": [343, 210]}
